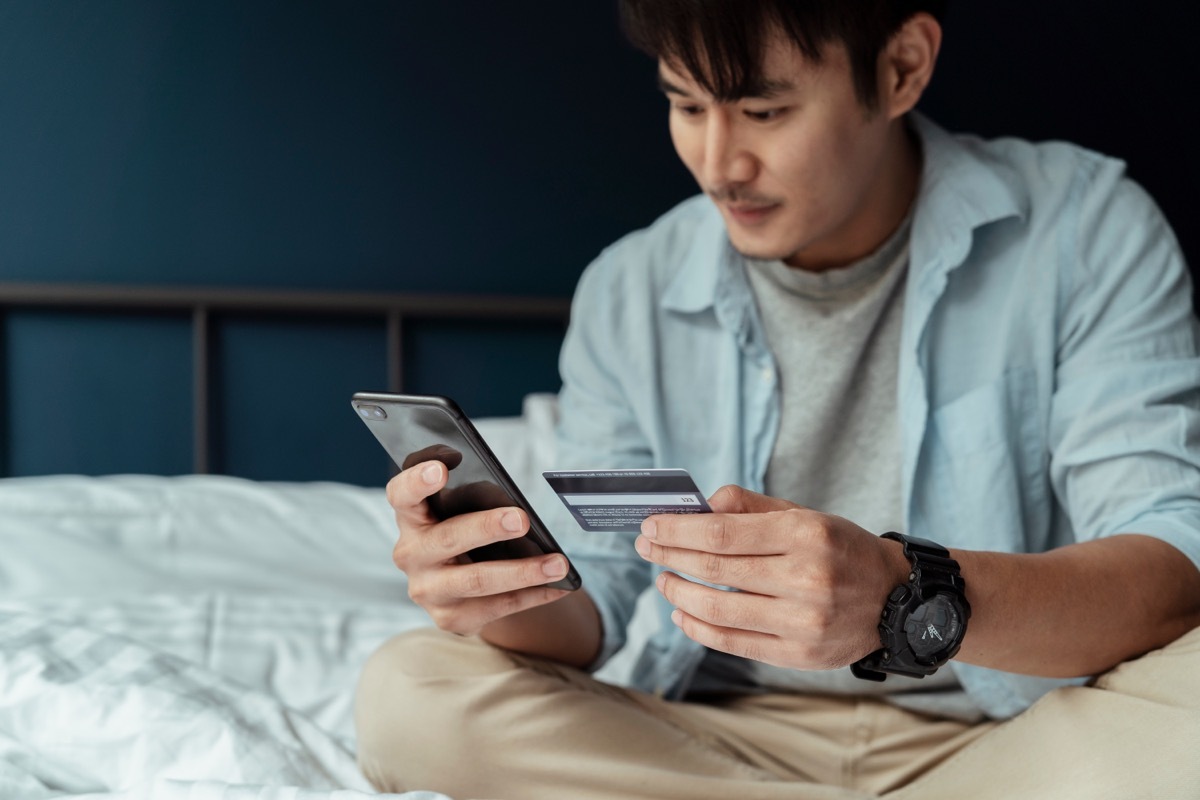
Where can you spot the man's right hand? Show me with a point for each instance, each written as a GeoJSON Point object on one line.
{"type": "Point", "coordinates": [464, 597]}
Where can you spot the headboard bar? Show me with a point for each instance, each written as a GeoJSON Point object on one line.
{"type": "Point", "coordinates": [201, 372]}
{"type": "Point", "coordinates": [261, 301]}
{"type": "Point", "coordinates": [203, 302]}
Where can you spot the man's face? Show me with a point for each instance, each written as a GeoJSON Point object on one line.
{"type": "Point", "coordinates": [799, 171]}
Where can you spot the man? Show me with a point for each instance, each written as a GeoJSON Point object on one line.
{"type": "Point", "coordinates": [985, 346]}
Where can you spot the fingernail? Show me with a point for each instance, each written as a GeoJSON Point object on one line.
{"type": "Point", "coordinates": [431, 473]}
{"type": "Point", "coordinates": [511, 521]}
{"type": "Point", "coordinates": [555, 567]}
{"type": "Point", "coordinates": [677, 617]}
{"type": "Point", "coordinates": [649, 529]}
{"type": "Point", "coordinates": [642, 546]}
{"type": "Point", "coordinates": [661, 580]}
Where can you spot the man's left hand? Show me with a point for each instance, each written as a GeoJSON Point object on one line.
{"type": "Point", "coordinates": [812, 585]}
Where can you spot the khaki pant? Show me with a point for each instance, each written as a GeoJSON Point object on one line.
{"type": "Point", "coordinates": [436, 711]}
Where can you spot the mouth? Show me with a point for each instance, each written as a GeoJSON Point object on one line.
{"type": "Point", "coordinates": [750, 214]}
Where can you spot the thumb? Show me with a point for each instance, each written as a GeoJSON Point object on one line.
{"type": "Point", "coordinates": [736, 500]}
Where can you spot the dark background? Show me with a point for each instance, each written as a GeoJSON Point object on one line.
{"type": "Point", "coordinates": [465, 147]}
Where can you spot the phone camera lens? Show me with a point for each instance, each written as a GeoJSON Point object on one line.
{"type": "Point", "coordinates": [372, 412]}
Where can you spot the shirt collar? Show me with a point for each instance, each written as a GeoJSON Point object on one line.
{"type": "Point", "coordinates": [962, 188]}
{"type": "Point", "coordinates": [707, 263]}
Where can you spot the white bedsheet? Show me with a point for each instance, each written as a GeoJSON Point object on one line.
{"type": "Point", "coordinates": [146, 692]}
{"type": "Point", "coordinates": [200, 636]}
{"type": "Point", "coordinates": [85, 711]}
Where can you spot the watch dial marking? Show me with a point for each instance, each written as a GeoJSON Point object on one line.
{"type": "Point", "coordinates": [931, 626]}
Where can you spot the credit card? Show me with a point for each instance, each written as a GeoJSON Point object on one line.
{"type": "Point", "coordinates": [617, 500]}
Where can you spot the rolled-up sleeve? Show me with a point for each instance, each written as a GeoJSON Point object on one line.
{"type": "Point", "coordinates": [1123, 428]}
{"type": "Point", "coordinates": [1125, 414]}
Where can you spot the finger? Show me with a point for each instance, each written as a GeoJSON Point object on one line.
{"type": "Point", "coordinates": [472, 615]}
{"type": "Point", "coordinates": [407, 491]}
{"type": "Point", "coordinates": [487, 578]}
{"type": "Point", "coordinates": [747, 644]}
{"type": "Point", "coordinates": [735, 534]}
{"type": "Point", "coordinates": [738, 610]}
{"type": "Point", "coordinates": [759, 574]}
{"type": "Point", "coordinates": [453, 537]}
{"type": "Point", "coordinates": [734, 499]}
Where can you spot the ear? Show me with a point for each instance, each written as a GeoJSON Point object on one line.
{"type": "Point", "coordinates": [906, 64]}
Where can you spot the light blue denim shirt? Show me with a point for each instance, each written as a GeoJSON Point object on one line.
{"type": "Point", "coordinates": [1047, 381]}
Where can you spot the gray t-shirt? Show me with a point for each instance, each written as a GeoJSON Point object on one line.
{"type": "Point", "coordinates": [836, 337]}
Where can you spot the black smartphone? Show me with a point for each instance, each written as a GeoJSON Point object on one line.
{"type": "Point", "coordinates": [417, 428]}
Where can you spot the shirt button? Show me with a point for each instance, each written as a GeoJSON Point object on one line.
{"type": "Point", "coordinates": [768, 375]}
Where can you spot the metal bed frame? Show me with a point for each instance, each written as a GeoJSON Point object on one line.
{"type": "Point", "coordinates": [203, 303]}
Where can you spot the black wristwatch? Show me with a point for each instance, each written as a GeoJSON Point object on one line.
{"type": "Point", "coordinates": [924, 620]}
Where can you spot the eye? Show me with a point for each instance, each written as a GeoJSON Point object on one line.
{"type": "Point", "coordinates": [687, 109]}
{"type": "Point", "coordinates": [766, 115]}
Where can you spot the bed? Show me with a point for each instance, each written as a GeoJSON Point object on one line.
{"type": "Point", "coordinates": [199, 636]}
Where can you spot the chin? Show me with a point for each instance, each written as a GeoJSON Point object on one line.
{"type": "Point", "coordinates": [761, 247]}
{"type": "Point", "coordinates": [762, 252]}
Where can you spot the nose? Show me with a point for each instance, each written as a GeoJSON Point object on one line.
{"type": "Point", "coordinates": [726, 161]}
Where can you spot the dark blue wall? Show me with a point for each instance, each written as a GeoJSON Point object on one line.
{"type": "Point", "coordinates": [476, 147]}
{"type": "Point", "coordinates": [466, 147]}
{"type": "Point", "coordinates": [415, 146]}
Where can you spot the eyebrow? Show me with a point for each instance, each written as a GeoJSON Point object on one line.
{"type": "Point", "coordinates": [763, 88]}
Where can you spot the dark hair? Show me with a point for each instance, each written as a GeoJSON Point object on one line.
{"type": "Point", "coordinates": [720, 43]}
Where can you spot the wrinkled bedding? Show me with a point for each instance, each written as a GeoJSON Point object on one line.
{"type": "Point", "coordinates": [200, 637]}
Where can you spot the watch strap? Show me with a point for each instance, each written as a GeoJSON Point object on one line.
{"type": "Point", "coordinates": [930, 564]}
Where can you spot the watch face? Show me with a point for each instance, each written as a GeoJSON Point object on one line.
{"type": "Point", "coordinates": [933, 628]}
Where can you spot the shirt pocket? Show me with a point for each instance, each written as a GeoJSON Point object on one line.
{"type": "Point", "coordinates": [988, 467]}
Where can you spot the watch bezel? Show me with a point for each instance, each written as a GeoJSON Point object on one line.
{"type": "Point", "coordinates": [947, 646]}
{"type": "Point", "coordinates": [894, 636]}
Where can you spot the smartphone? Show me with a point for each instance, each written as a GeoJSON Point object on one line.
{"type": "Point", "coordinates": [417, 428]}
